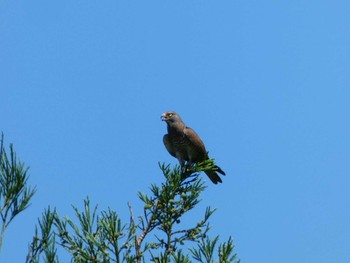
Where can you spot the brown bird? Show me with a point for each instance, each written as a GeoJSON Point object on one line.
{"type": "Point", "coordinates": [185, 145]}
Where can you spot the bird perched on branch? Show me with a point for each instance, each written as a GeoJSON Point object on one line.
{"type": "Point", "coordinates": [185, 145]}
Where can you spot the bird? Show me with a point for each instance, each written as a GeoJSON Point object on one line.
{"type": "Point", "coordinates": [185, 145]}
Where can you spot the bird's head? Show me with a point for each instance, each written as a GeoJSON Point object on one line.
{"type": "Point", "coordinates": [170, 117]}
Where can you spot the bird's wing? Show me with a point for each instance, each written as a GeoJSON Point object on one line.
{"type": "Point", "coordinates": [193, 137]}
{"type": "Point", "coordinates": [169, 145]}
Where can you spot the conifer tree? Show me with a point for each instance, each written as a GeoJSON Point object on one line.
{"type": "Point", "coordinates": [157, 235]}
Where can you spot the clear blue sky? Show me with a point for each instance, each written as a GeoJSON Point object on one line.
{"type": "Point", "coordinates": [266, 84]}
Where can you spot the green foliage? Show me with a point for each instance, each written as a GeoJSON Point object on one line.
{"type": "Point", "coordinates": [44, 242]}
{"type": "Point", "coordinates": [155, 236]}
{"type": "Point", "coordinates": [15, 195]}
{"type": "Point", "coordinates": [205, 252]}
{"type": "Point", "coordinates": [168, 204]}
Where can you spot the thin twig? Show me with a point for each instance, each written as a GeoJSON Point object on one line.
{"type": "Point", "coordinates": [132, 223]}
{"type": "Point", "coordinates": [149, 225]}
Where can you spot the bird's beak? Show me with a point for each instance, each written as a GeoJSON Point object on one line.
{"type": "Point", "coordinates": [163, 117]}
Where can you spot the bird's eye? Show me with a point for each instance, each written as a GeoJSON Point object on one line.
{"type": "Point", "coordinates": [170, 114]}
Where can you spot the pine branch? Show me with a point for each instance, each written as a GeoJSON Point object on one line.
{"type": "Point", "coordinates": [15, 194]}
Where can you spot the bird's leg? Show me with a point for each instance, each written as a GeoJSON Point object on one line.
{"type": "Point", "coordinates": [181, 162]}
{"type": "Point", "coordinates": [184, 172]}
{"type": "Point", "coordinates": [187, 170]}
{"type": "Point", "coordinates": [189, 167]}
{"type": "Point", "coordinates": [182, 165]}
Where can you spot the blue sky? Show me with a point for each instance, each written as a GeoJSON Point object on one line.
{"type": "Point", "coordinates": [264, 83]}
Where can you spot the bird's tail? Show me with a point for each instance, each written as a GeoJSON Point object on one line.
{"type": "Point", "coordinates": [213, 175]}
{"type": "Point", "coordinates": [218, 169]}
